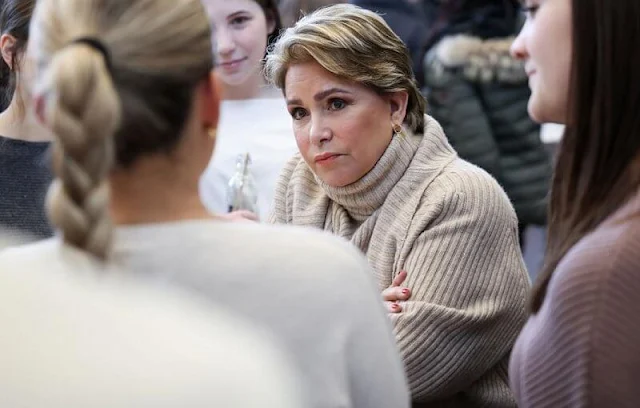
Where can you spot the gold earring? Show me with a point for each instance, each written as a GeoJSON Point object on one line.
{"type": "Point", "coordinates": [212, 132]}
{"type": "Point", "coordinates": [398, 130]}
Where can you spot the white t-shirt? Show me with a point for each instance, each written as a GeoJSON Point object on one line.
{"type": "Point", "coordinates": [312, 291]}
{"type": "Point", "coordinates": [73, 337]}
{"type": "Point", "coordinates": [260, 127]}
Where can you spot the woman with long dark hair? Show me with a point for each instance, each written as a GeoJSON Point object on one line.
{"type": "Point", "coordinates": [24, 143]}
{"type": "Point", "coordinates": [581, 346]}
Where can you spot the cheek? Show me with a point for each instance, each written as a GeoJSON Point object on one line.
{"type": "Point", "coordinates": [302, 140]}
{"type": "Point", "coordinates": [351, 135]}
{"type": "Point", "coordinates": [254, 40]}
{"type": "Point", "coordinates": [367, 137]}
{"type": "Point", "coordinates": [364, 140]}
{"type": "Point", "coordinates": [550, 86]}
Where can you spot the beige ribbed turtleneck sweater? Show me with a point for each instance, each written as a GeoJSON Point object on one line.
{"type": "Point", "coordinates": [452, 228]}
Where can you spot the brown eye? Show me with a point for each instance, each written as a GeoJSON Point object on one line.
{"type": "Point", "coordinates": [337, 104]}
{"type": "Point", "coordinates": [298, 113]}
{"type": "Point", "coordinates": [239, 21]}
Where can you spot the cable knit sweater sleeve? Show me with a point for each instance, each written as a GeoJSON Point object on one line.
{"type": "Point", "coordinates": [278, 213]}
{"type": "Point", "coordinates": [468, 287]}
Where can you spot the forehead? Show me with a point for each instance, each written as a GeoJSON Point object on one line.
{"type": "Point", "coordinates": [224, 8]}
{"type": "Point", "coordinates": [310, 76]}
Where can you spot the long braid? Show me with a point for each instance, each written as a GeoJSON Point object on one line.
{"type": "Point", "coordinates": [83, 112]}
{"type": "Point", "coordinates": [114, 82]}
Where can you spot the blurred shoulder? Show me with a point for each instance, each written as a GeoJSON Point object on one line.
{"type": "Point", "coordinates": [609, 255]}
{"type": "Point", "coordinates": [306, 245]}
{"type": "Point", "coordinates": [33, 253]}
{"type": "Point", "coordinates": [117, 311]}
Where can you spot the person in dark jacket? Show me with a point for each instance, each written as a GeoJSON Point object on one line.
{"type": "Point", "coordinates": [479, 94]}
{"type": "Point", "coordinates": [292, 10]}
{"type": "Point", "coordinates": [479, 18]}
{"type": "Point", "coordinates": [407, 19]}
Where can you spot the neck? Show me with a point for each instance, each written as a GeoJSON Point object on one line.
{"type": "Point", "coordinates": [253, 87]}
{"type": "Point", "coordinates": [15, 123]}
{"type": "Point", "coordinates": [155, 191]}
{"type": "Point", "coordinates": [365, 196]}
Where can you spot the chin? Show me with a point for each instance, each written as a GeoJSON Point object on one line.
{"type": "Point", "coordinates": [236, 79]}
{"type": "Point", "coordinates": [335, 180]}
{"type": "Point", "coordinates": [535, 111]}
{"type": "Point", "coordinates": [545, 114]}
{"type": "Point", "coordinates": [547, 107]}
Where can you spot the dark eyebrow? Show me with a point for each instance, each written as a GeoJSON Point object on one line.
{"type": "Point", "coordinates": [237, 13]}
{"type": "Point", "coordinates": [319, 96]}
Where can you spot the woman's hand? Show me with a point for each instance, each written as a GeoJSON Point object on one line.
{"type": "Point", "coordinates": [239, 216]}
{"type": "Point", "coordinates": [395, 292]}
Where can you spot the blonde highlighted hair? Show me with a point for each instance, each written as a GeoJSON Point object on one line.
{"type": "Point", "coordinates": [107, 109]}
{"type": "Point", "coordinates": [354, 44]}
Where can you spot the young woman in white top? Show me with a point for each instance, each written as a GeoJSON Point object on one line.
{"type": "Point", "coordinates": [254, 117]}
{"type": "Point", "coordinates": [125, 88]}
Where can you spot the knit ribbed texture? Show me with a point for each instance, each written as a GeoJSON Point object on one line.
{"type": "Point", "coordinates": [583, 347]}
{"type": "Point", "coordinates": [25, 177]}
{"type": "Point", "coordinates": [451, 226]}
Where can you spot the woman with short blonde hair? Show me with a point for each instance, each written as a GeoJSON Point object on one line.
{"type": "Point", "coordinates": [375, 170]}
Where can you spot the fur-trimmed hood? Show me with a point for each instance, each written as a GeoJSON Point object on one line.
{"type": "Point", "coordinates": [477, 59]}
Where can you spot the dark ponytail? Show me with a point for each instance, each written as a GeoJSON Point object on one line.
{"type": "Point", "coordinates": [15, 16]}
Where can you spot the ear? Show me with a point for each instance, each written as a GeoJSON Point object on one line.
{"type": "Point", "coordinates": [7, 45]}
{"type": "Point", "coordinates": [210, 101]}
{"type": "Point", "coordinates": [398, 106]}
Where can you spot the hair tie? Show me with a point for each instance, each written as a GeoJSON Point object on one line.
{"type": "Point", "coordinates": [98, 46]}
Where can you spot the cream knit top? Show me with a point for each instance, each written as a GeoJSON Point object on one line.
{"type": "Point", "coordinates": [452, 228]}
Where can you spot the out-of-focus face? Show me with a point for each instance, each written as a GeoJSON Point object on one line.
{"type": "Point", "coordinates": [545, 44]}
{"type": "Point", "coordinates": [342, 128]}
{"type": "Point", "coordinates": [240, 30]}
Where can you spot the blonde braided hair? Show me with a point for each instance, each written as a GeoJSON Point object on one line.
{"type": "Point", "coordinates": [107, 107]}
{"type": "Point", "coordinates": [83, 113]}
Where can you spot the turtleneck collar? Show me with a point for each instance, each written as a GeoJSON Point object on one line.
{"type": "Point", "coordinates": [365, 196]}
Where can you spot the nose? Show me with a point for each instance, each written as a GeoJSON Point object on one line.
{"type": "Point", "coordinates": [518, 49]}
{"type": "Point", "coordinates": [224, 41]}
{"type": "Point", "coordinates": [319, 132]}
